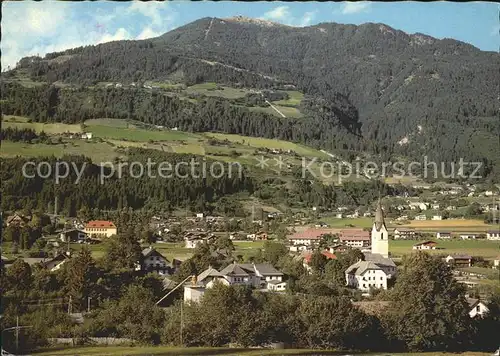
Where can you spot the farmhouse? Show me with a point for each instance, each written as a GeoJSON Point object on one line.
{"type": "Point", "coordinates": [100, 228]}
{"type": "Point", "coordinates": [404, 233]}
{"type": "Point", "coordinates": [310, 237]}
{"type": "Point", "coordinates": [153, 261]}
{"type": "Point", "coordinates": [73, 235]}
{"type": "Point", "coordinates": [425, 245]}
{"type": "Point", "coordinates": [260, 276]}
{"type": "Point", "coordinates": [437, 217]}
{"type": "Point", "coordinates": [420, 217]}
{"type": "Point", "coordinates": [477, 308]}
{"type": "Point", "coordinates": [18, 220]}
{"type": "Point", "coordinates": [459, 261]}
{"type": "Point", "coordinates": [56, 263]}
{"type": "Point", "coordinates": [364, 275]}
{"type": "Point", "coordinates": [443, 235]}
{"type": "Point", "coordinates": [493, 235]}
{"type": "Point", "coordinates": [468, 236]}
{"type": "Point", "coordinates": [355, 237]}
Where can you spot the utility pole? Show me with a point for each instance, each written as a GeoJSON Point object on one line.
{"type": "Point", "coordinates": [69, 305]}
{"type": "Point", "coordinates": [17, 333]}
{"type": "Point", "coordinates": [88, 304]}
{"type": "Point", "coordinates": [182, 323]}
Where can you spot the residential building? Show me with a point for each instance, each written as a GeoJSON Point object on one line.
{"type": "Point", "coordinates": [308, 255]}
{"type": "Point", "coordinates": [355, 238]}
{"type": "Point", "coordinates": [418, 205]}
{"type": "Point", "coordinates": [154, 261]}
{"type": "Point", "coordinates": [468, 236]}
{"type": "Point", "coordinates": [493, 235]}
{"type": "Point", "coordinates": [57, 262]}
{"type": "Point", "coordinates": [434, 206]}
{"type": "Point", "coordinates": [496, 263]}
{"type": "Point", "coordinates": [420, 217]}
{"type": "Point", "coordinates": [437, 217]}
{"type": "Point", "coordinates": [459, 261]}
{"type": "Point", "coordinates": [100, 228]}
{"type": "Point", "coordinates": [443, 235]}
{"type": "Point", "coordinates": [18, 220]}
{"type": "Point", "coordinates": [425, 245]}
{"type": "Point", "coordinates": [74, 235]}
{"type": "Point", "coordinates": [364, 275]}
{"type": "Point", "coordinates": [260, 276]}
{"type": "Point", "coordinates": [310, 237]}
{"type": "Point", "coordinates": [477, 308]}
{"type": "Point", "coordinates": [404, 233]}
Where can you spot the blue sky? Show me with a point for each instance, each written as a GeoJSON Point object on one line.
{"type": "Point", "coordinates": [50, 26]}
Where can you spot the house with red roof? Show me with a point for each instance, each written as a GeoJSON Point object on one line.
{"type": "Point", "coordinates": [100, 228]}
{"type": "Point", "coordinates": [308, 255]}
{"type": "Point", "coordinates": [310, 237]}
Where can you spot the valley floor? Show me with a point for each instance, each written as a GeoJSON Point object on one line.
{"type": "Point", "coordinates": [177, 351]}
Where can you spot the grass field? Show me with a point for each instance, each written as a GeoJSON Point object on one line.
{"type": "Point", "coordinates": [22, 123]}
{"type": "Point", "coordinates": [209, 89]}
{"type": "Point", "coordinates": [98, 152]}
{"type": "Point", "coordinates": [199, 351]}
{"type": "Point", "coordinates": [294, 99]}
{"type": "Point", "coordinates": [134, 134]}
{"type": "Point", "coordinates": [288, 111]}
{"type": "Point", "coordinates": [358, 222]}
{"type": "Point", "coordinates": [258, 142]}
{"type": "Point", "coordinates": [480, 248]}
{"type": "Point", "coordinates": [452, 225]}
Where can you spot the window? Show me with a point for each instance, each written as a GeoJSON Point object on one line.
{"type": "Point", "coordinates": [381, 278]}
{"type": "Point", "coordinates": [478, 308]}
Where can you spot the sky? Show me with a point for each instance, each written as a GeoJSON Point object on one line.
{"type": "Point", "coordinates": [49, 26]}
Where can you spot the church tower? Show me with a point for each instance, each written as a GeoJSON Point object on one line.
{"type": "Point", "coordinates": [380, 236]}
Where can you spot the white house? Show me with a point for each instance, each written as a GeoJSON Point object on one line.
{"type": "Point", "coordinates": [493, 235]}
{"type": "Point", "coordinates": [404, 233]}
{"type": "Point", "coordinates": [364, 275]}
{"type": "Point", "coordinates": [477, 308]}
{"type": "Point", "coordinates": [468, 236]}
{"type": "Point", "coordinates": [87, 135]}
{"type": "Point", "coordinates": [443, 235]}
{"type": "Point", "coordinates": [153, 261]}
{"type": "Point", "coordinates": [260, 276]}
{"type": "Point", "coordinates": [425, 245]}
{"type": "Point", "coordinates": [437, 217]}
{"type": "Point", "coordinates": [496, 263]}
{"type": "Point", "coordinates": [420, 217]}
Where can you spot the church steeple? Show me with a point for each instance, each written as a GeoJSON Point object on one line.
{"type": "Point", "coordinates": [379, 216]}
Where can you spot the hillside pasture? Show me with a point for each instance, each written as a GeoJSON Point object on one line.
{"type": "Point", "coordinates": [480, 248]}
{"type": "Point", "coordinates": [20, 122]}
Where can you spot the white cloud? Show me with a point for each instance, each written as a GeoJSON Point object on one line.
{"type": "Point", "coordinates": [307, 19]}
{"type": "Point", "coordinates": [278, 13]}
{"type": "Point", "coordinates": [283, 15]}
{"type": "Point", "coordinates": [151, 9]}
{"type": "Point", "coordinates": [148, 32]}
{"type": "Point", "coordinates": [55, 26]}
{"type": "Point", "coordinates": [355, 7]}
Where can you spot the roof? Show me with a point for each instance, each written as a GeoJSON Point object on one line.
{"type": "Point", "coordinates": [425, 243]}
{"type": "Point", "coordinates": [233, 270]}
{"type": "Point", "coordinates": [402, 229]}
{"type": "Point", "coordinates": [148, 251]}
{"type": "Point", "coordinates": [275, 282]}
{"type": "Point", "coordinates": [493, 231]}
{"type": "Point", "coordinates": [355, 234]}
{"type": "Point", "coordinates": [328, 255]}
{"type": "Point", "coordinates": [379, 259]}
{"type": "Point", "coordinates": [361, 267]}
{"type": "Point", "coordinates": [312, 234]}
{"type": "Point", "coordinates": [264, 269]}
{"type": "Point", "coordinates": [473, 302]}
{"type": "Point", "coordinates": [209, 272]}
{"type": "Point", "coordinates": [444, 232]}
{"type": "Point", "coordinates": [460, 257]}
{"type": "Point", "coordinates": [100, 223]}
{"type": "Point", "coordinates": [379, 216]}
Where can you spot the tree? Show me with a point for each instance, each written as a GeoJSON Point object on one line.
{"type": "Point", "coordinates": [122, 251]}
{"type": "Point", "coordinates": [273, 251]}
{"type": "Point", "coordinates": [429, 309]}
{"type": "Point", "coordinates": [318, 261]}
{"type": "Point", "coordinates": [224, 243]}
{"type": "Point", "coordinates": [81, 277]}
{"type": "Point", "coordinates": [19, 276]}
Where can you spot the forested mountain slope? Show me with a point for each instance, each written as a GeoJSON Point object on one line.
{"type": "Point", "coordinates": [413, 94]}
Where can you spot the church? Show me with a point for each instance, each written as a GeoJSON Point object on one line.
{"type": "Point", "coordinates": [377, 267]}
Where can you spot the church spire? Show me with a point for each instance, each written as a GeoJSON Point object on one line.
{"type": "Point", "coordinates": [379, 216]}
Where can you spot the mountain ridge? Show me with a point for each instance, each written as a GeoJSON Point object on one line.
{"type": "Point", "coordinates": [397, 81]}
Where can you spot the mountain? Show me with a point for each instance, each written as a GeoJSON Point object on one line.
{"type": "Point", "coordinates": [405, 94]}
